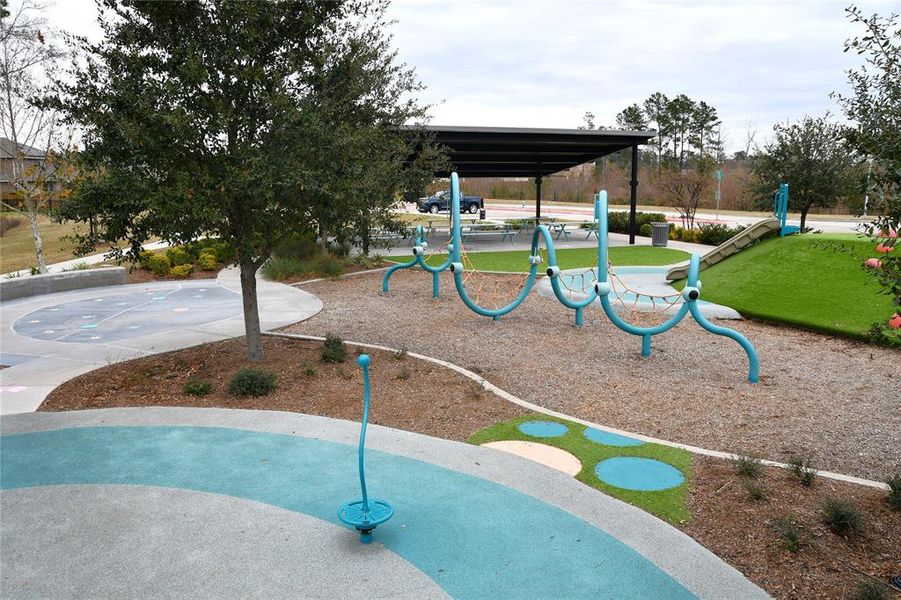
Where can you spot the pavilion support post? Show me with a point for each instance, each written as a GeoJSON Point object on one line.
{"type": "Point", "coordinates": [537, 198]}
{"type": "Point", "coordinates": [633, 194]}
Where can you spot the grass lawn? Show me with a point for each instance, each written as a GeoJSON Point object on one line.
{"type": "Point", "coordinates": [666, 504]}
{"type": "Point", "coordinates": [18, 245]}
{"type": "Point", "coordinates": [801, 280]}
{"type": "Point", "coordinates": [516, 261]}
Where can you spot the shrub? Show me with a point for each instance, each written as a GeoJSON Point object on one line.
{"type": "Point", "coordinates": [841, 516]}
{"type": "Point", "coordinates": [195, 387]}
{"type": "Point", "coordinates": [7, 223]}
{"type": "Point", "coordinates": [252, 382]}
{"type": "Point", "coordinates": [645, 230]}
{"type": "Point", "coordinates": [181, 271]}
{"type": "Point", "coordinates": [400, 353]}
{"type": "Point", "coordinates": [333, 350]}
{"type": "Point", "coordinates": [207, 260]}
{"type": "Point", "coordinates": [159, 264]}
{"type": "Point", "coordinates": [328, 265]}
{"type": "Point", "coordinates": [894, 491]}
{"type": "Point", "coordinates": [789, 532]}
{"type": "Point", "coordinates": [178, 256]}
{"type": "Point", "coordinates": [309, 370]}
{"type": "Point", "coordinates": [868, 588]}
{"type": "Point", "coordinates": [618, 221]}
{"type": "Point", "coordinates": [883, 335]}
{"type": "Point", "coordinates": [755, 490]}
{"type": "Point", "coordinates": [802, 468]}
{"type": "Point", "coordinates": [301, 246]}
{"type": "Point", "coordinates": [714, 234]}
{"type": "Point", "coordinates": [747, 466]}
{"type": "Point", "coordinates": [404, 374]}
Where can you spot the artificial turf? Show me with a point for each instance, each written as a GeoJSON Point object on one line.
{"type": "Point", "coordinates": [517, 261]}
{"type": "Point", "coordinates": [669, 504]}
{"type": "Point", "coordinates": [814, 281]}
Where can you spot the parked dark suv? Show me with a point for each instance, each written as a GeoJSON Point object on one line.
{"type": "Point", "coordinates": [442, 202]}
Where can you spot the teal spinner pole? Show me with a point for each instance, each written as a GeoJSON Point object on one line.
{"type": "Point", "coordinates": [366, 514]}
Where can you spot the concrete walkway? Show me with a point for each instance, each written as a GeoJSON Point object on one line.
{"type": "Point", "coordinates": [47, 340]}
{"type": "Point", "coordinates": [164, 502]}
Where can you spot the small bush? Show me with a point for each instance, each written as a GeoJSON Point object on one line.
{"type": "Point", "coordinates": [868, 588]}
{"type": "Point", "coordinates": [756, 491]}
{"type": "Point", "coordinates": [841, 516]}
{"type": "Point", "coordinates": [400, 353]}
{"type": "Point", "coordinates": [334, 349]}
{"type": "Point", "coordinates": [195, 387]}
{"type": "Point", "coordinates": [181, 271]}
{"type": "Point", "coordinates": [802, 468]}
{"type": "Point", "coordinates": [894, 491]}
{"type": "Point", "coordinates": [300, 246]}
{"type": "Point", "coordinates": [789, 532]}
{"type": "Point", "coordinates": [309, 371]}
{"type": "Point", "coordinates": [645, 230]}
{"type": "Point", "coordinates": [207, 260]}
{"type": "Point", "coordinates": [883, 335]}
{"type": "Point", "coordinates": [178, 256]}
{"type": "Point", "coordinates": [404, 374]}
{"type": "Point", "coordinates": [252, 382]}
{"type": "Point", "coordinates": [328, 265]}
{"type": "Point", "coordinates": [714, 234]}
{"type": "Point", "coordinates": [159, 264]}
{"type": "Point", "coordinates": [747, 466]}
{"type": "Point", "coordinates": [618, 221]}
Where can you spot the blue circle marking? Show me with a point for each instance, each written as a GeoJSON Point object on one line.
{"type": "Point", "coordinates": [640, 474]}
{"type": "Point", "coordinates": [599, 436]}
{"type": "Point", "coordinates": [543, 429]}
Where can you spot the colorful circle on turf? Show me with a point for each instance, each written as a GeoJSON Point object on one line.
{"type": "Point", "coordinates": [600, 436]}
{"type": "Point", "coordinates": [639, 474]}
{"type": "Point", "coordinates": [543, 429]}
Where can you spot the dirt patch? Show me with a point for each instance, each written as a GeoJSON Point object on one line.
{"type": "Point", "coordinates": [831, 398]}
{"type": "Point", "coordinates": [406, 393]}
{"type": "Point", "coordinates": [743, 531]}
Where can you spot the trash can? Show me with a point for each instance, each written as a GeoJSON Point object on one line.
{"type": "Point", "coordinates": [659, 234]}
{"type": "Point", "coordinates": [482, 214]}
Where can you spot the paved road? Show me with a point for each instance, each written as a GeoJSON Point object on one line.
{"type": "Point", "coordinates": [46, 340]}
{"type": "Point", "coordinates": [234, 503]}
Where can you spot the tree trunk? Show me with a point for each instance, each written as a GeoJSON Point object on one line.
{"type": "Point", "coordinates": [804, 217]}
{"type": "Point", "coordinates": [36, 233]}
{"type": "Point", "coordinates": [323, 237]}
{"type": "Point", "coordinates": [251, 310]}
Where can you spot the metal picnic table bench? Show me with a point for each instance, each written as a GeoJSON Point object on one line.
{"type": "Point", "coordinates": [476, 230]}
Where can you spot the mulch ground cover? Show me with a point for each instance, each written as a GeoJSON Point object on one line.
{"type": "Point", "coordinates": [418, 396]}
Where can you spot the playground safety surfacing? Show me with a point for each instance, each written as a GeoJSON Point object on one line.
{"type": "Point", "coordinates": [222, 503]}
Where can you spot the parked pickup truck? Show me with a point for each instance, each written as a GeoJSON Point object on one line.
{"type": "Point", "coordinates": [442, 201]}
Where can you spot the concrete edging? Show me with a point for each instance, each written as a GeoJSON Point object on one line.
{"type": "Point", "coordinates": [487, 385]}
{"type": "Point", "coordinates": [50, 283]}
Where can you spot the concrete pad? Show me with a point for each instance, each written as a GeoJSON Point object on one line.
{"type": "Point", "coordinates": [480, 523]}
{"type": "Point", "coordinates": [543, 454]}
{"type": "Point", "coordinates": [71, 333]}
{"type": "Point", "coordinates": [112, 541]}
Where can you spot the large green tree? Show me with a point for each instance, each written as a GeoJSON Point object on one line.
{"type": "Point", "coordinates": [813, 158]}
{"type": "Point", "coordinates": [229, 119]}
{"type": "Point", "coordinates": [874, 107]}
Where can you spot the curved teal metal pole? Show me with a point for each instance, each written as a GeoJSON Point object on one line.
{"type": "Point", "coordinates": [418, 259]}
{"type": "Point", "coordinates": [456, 266]}
{"type": "Point", "coordinates": [364, 515]}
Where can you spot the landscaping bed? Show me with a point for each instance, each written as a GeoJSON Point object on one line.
{"type": "Point", "coordinates": [720, 512]}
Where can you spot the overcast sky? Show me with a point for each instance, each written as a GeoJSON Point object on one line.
{"type": "Point", "coordinates": [544, 63]}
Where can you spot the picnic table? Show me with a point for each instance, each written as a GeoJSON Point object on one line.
{"type": "Point", "coordinates": [477, 230]}
{"type": "Point", "coordinates": [528, 224]}
{"type": "Point", "coordinates": [560, 228]}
